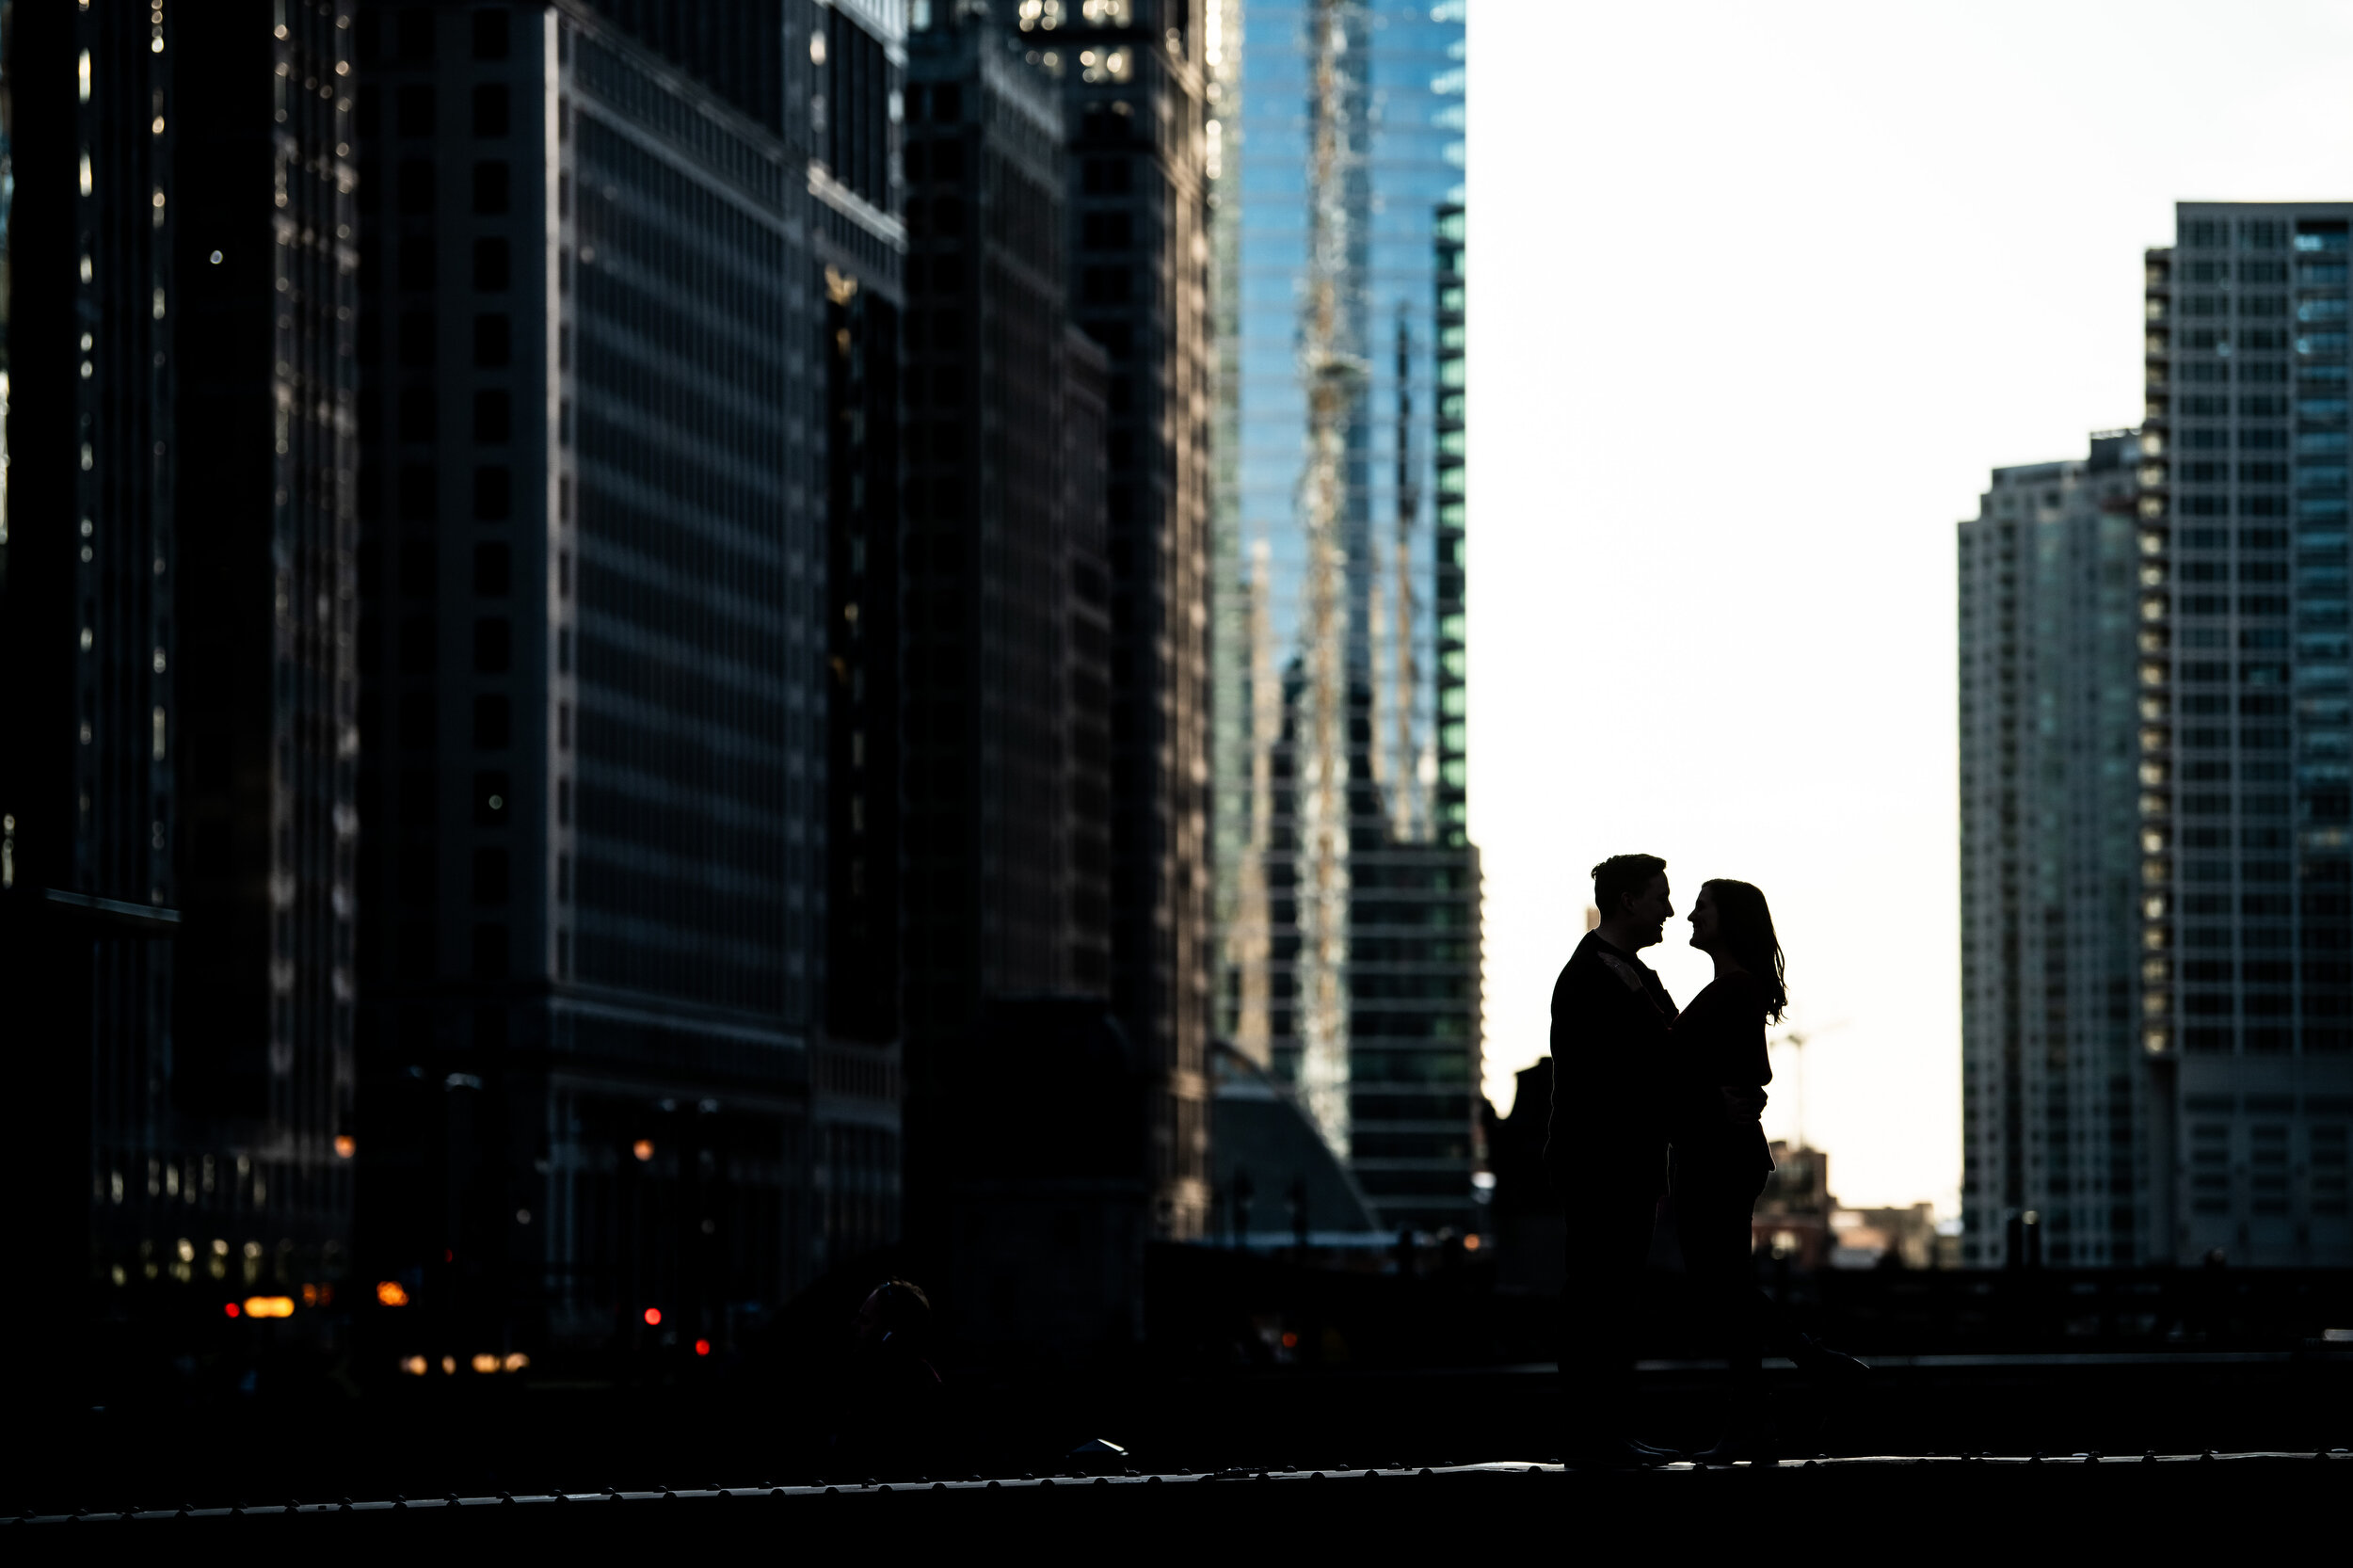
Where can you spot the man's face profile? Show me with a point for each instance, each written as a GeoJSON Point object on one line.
{"type": "Point", "coordinates": [1643, 915]}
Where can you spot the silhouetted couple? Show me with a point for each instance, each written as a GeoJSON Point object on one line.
{"type": "Point", "coordinates": [1633, 1079]}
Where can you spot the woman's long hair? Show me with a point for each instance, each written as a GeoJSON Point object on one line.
{"type": "Point", "coordinates": [1744, 927]}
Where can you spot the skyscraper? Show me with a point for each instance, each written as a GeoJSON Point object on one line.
{"type": "Point", "coordinates": [2056, 1097]}
{"type": "Point", "coordinates": [2246, 766]}
{"type": "Point", "coordinates": [1006, 720]}
{"type": "Point", "coordinates": [1348, 889]}
{"type": "Point", "coordinates": [176, 605]}
{"type": "Point", "coordinates": [1006, 697]}
{"type": "Point", "coordinates": [633, 274]}
{"type": "Point", "coordinates": [1136, 259]}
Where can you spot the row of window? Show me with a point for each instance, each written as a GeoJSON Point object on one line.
{"type": "Point", "coordinates": [2307, 272]}
{"type": "Point", "coordinates": [2312, 236]}
{"type": "Point", "coordinates": [414, 105]}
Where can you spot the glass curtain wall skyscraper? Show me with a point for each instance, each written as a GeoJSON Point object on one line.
{"type": "Point", "coordinates": [2246, 765]}
{"type": "Point", "coordinates": [1348, 889]}
{"type": "Point", "coordinates": [2054, 1162]}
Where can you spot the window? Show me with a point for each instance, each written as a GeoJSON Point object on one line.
{"type": "Point", "coordinates": [492, 722]}
{"type": "Point", "coordinates": [493, 645]}
{"type": "Point", "coordinates": [493, 574]}
{"type": "Point", "coordinates": [416, 186]}
{"type": "Point", "coordinates": [489, 34]}
{"type": "Point", "coordinates": [412, 108]}
{"type": "Point", "coordinates": [415, 41]}
{"type": "Point", "coordinates": [417, 414]}
{"type": "Point", "coordinates": [489, 187]}
{"type": "Point", "coordinates": [492, 416]}
{"type": "Point", "coordinates": [416, 646]}
{"type": "Point", "coordinates": [492, 346]}
{"type": "Point", "coordinates": [416, 567]}
{"type": "Point", "coordinates": [416, 722]}
{"type": "Point", "coordinates": [490, 266]}
{"type": "Point", "coordinates": [493, 499]}
{"type": "Point", "coordinates": [416, 333]}
{"type": "Point", "coordinates": [416, 495]}
{"type": "Point", "coordinates": [489, 109]}
{"type": "Point", "coordinates": [490, 799]}
{"type": "Point", "coordinates": [417, 257]}
{"type": "Point", "coordinates": [489, 876]}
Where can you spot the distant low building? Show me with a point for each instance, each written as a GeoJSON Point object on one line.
{"type": "Point", "coordinates": [1792, 1217]}
{"type": "Point", "coordinates": [1885, 1237]}
{"type": "Point", "coordinates": [1276, 1182]}
{"type": "Point", "coordinates": [1525, 1216]}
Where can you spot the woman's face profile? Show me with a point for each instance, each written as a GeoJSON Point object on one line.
{"type": "Point", "coordinates": [1704, 921]}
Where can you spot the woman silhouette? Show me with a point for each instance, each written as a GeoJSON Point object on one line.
{"type": "Point", "coordinates": [1720, 1157]}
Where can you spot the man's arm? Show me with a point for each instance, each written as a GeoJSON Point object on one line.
{"type": "Point", "coordinates": [1564, 1061]}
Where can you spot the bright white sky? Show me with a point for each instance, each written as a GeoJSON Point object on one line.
{"type": "Point", "coordinates": [1758, 296]}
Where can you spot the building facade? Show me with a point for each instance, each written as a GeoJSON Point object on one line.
{"type": "Point", "coordinates": [1133, 76]}
{"type": "Point", "coordinates": [1007, 727]}
{"type": "Point", "coordinates": [1348, 886]}
{"type": "Point", "coordinates": [2246, 768]}
{"type": "Point", "coordinates": [177, 598]}
{"type": "Point", "coordinates": [2056, 1098]}
{"type": "Point", "coordinates": [629, 343]}
{"type": "Point", "coordinates": [1007, 711]}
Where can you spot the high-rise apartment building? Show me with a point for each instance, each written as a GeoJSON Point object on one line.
{"type": "Point", "coordinates": [2056, 1163]}
{"type": "Point", "coordinates": [2245, 963]}
{"type": "Point", "coordinates": [1134, 75]}
{"type": "Point", "coordinates": [1348, 891]}
{"type": "Point", "coordinates": [177, 601]}
{"type": "Point", "coordinates": [629, 339]}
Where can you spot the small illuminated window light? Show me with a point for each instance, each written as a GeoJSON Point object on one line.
{"type": "Point", "coordinates": [1470, 1243]}
{"type": "Point", "coordinates": [415, 1365]}
{"type": "Point", "coordinates": [516, 1361]}
{"type": "Point", "coordinates": [653, 1317]}
{"type": "Point", "coordinates": [643, 1148]}
{"type": "Point", "coordinates": [390, 1293]}
{"type": "Point", "coordinates": [346, 1146]}
{"type": "Point", "coordinates": [449, 1366]}
{"type": "Point", "coordinates": [269, 1306]}
{"type": "Point", "coordinates": [486, 1363]}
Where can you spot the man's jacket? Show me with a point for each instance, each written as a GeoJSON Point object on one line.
{"type": "Point", "coordinates": [1611, 1084]}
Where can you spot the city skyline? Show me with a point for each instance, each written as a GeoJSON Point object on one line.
{"type": "Point", "coordinates": [1933, 253]}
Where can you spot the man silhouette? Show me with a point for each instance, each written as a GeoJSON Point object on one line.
{"type": "Point", "coordinates": [1606, 1149]}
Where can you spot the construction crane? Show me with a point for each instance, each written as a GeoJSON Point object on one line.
{"type": "Point", "coordinates": [1796, 1040]}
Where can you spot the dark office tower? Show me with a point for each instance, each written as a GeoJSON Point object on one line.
{"type": "Point", "coordinates": [2247, 744]}
{"type": "Point", "coordinates": [1137, 266]}
{"type": "Point", "coordinates": [2055, 1164]}
{"type": "Point", "coordinates": [1348, 889]}
{"type": "Point", "coordinates": [179, 599]}
{"type": "Point", "coordinates": [1008, 658]}
{"type": "Point", "coordinates": [602, 479]}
